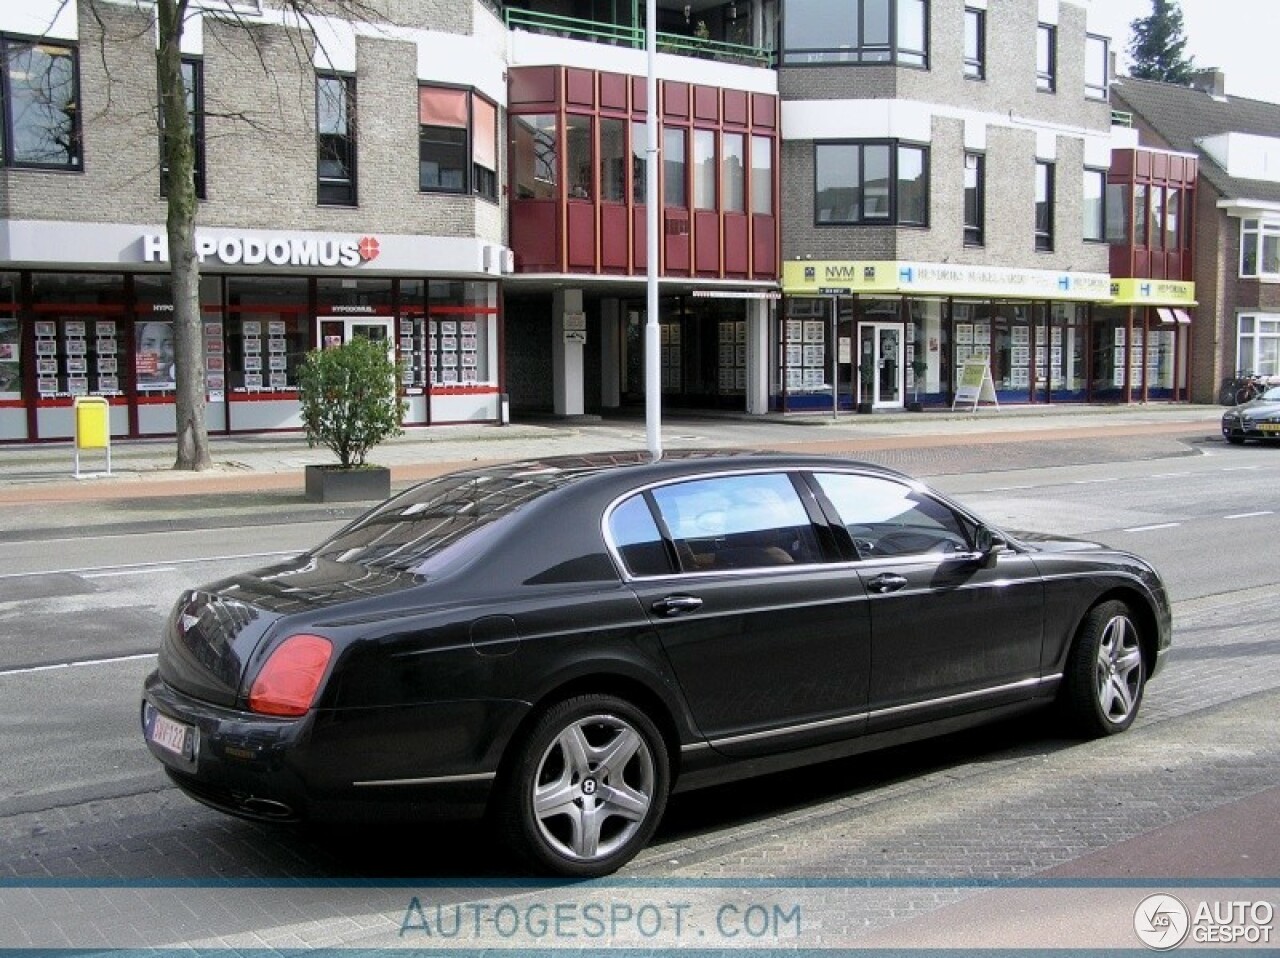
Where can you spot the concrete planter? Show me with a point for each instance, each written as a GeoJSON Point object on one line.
{"type": "Point", "coordinates": [331, 483]}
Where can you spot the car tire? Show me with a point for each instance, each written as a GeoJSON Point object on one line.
{"type": "Point", "coordinates": [585, 788]}
{"type": "Point", "coordinates": [1106, 673]}
{"type": "Point", "coordinates": [1236, 440]}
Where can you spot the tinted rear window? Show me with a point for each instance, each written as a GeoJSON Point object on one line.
{"type": "Point", "coordinates": [445, 519]}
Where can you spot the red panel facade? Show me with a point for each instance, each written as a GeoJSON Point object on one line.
{"type": "Point", "coordinates": [706, 243]}
{"type": "Point", "coordinates": [597, 237]}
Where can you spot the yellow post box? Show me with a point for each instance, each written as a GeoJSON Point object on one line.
{"type": "Point", "coordinates": [93, 427]}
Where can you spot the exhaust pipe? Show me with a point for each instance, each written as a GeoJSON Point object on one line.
{"type": "Point", "coordinates": [266, 807]}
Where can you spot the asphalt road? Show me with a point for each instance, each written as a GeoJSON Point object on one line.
{"type": "Point", "coordinates": [80, 795]}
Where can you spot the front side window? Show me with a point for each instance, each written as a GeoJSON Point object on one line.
{"type": "Point", "coordinates": [975, 43]}
{"type": "Point", "coordinates": [39, 86]}
{"type": "Point", "coordinates": [974, 199]}
{"type": "Point", "coordinates": [1044, 207]}
{"type": "Point", "coordinates": [1093, 205]}
{"type": "Point", "coordinates": [1046, 58]}
{"type": "Point", "coordinates": [737, 522]}
{"type": "Point", "coordinates": [870, 183]}
{"type": "Point", "coordinates": [856, 31]}
{"type": "Point", "coordinates": [193, 85]}
{"type": "Point", "coordinates": [888, 518]}
{"type": "Point", "coordinates": [1260, 249]}
{"type": "Point", "coordinates": [1097, 57]}
{"type": "Point", "coordinates": [335, 140]}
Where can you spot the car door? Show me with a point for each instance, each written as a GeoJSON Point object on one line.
{"type": "Point", "coordinates": [952, 631]}
{"type": "Point", "coordinates": [769, 641]}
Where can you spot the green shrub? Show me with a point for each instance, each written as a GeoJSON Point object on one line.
{"type": "Point", "coordinates": [349, 399]}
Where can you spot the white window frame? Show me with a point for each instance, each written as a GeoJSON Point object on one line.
{"type": "Point", "coordinates": [1265, 230]}
{"type": "Point", "coordinates": [1258, 343]}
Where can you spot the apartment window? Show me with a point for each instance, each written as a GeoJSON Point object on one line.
{"type": "Point", "coordinates": [1094, 205]}
{"type": "Point", "coordinates": [975, 174]}
{"type": "Point", "coordinates": [534, 162]}
{"type": "Point", "coordinates": [1046, 58]}
{"type": "Point", "coordinates": [484, 148]}
{"type": "Point", "coordinates": [733, 174]}
{"type": "Point", "coordinates": [674, 191]}
{"type": "Point", "coordinates": [578, 134]}
{"type": "Point", "coordinates": [613, 160]}
{"type": "Point", "coordinates": [442, 140]}
{"type": "Point", "coordinates": [1172, 212]}
{"type": "Point", "coordinates": [878, 183]}
{"type": "Point", "coordinates": [40, 91]}
{"type": "Point", "coordinates": [704, 170]}
{"type": "Point", "coordinates": [762, 176]}
{"type": "Point", "coordinates": [1258, 345]}
{"type": "Point", "coordinates": [1140, 191]}
{"type": "Point", "coordinates": [193, 85]}
{"type": "Point", "coordinates": [1097, 58]}
{"type": "Point", "coordinates": [1044, 206]}
{"type": "Point", "coordinates": [1260, 249]}
{"type": "Point", "coordinates": [639, 163]}
{"type": "Point", "coordinates": [1119, 208]}
{"type": "Point", "coordinates": [1155, 208]}
{"type": "Point", "coordinates": [975, 43]}
{"type": "Point", "coordinates": [856, 31]}
{"type": "Point", "coordinates": [335, 140]}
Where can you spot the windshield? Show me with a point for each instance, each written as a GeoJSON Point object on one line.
{"type": "Point", "coordinates": [1272, 394]}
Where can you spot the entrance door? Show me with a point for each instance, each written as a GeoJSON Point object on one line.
{"type": "Point", "coordinates": [336, 330]}
{"type": "Point", "coordinates": [880, 372]}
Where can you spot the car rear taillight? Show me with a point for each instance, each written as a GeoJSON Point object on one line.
{"type": "Point", "coordinates": [288, 683]}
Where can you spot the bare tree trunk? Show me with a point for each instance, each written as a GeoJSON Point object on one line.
{"type": "Point", "coordinates": [179, 150]}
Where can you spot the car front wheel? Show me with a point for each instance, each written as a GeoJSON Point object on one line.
{"type": "Point", "coordinates": [586, 790]}
{"type": "Point", "coordinates": [1105, 674]}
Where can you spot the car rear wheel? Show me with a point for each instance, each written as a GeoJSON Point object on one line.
{"type": "Point", "coordinates": [587, 787]}
{"type": "Point", "coordinates": [1106, 674]}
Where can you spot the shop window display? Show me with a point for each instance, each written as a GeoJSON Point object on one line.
{"type": "Point", "coordinates": [10, 340]}
{"type": "Point", "coordinates": [79, 333]}
{"type": "Point", "coordinates": [266, 336]}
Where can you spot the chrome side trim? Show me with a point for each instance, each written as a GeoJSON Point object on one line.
{"type": "Point", "coordinates": [966, 696]}
{"type": "Point", "coordinates": [895, 710]}
{"type": "Point", "coordinates": [694, 747]}
{"type": "Point", "coordinates": [790, 729]}
{"type": "Point", "coordinates": [434, 780]}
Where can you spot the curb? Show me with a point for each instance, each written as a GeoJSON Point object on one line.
{"type": "Point", "coordinates": [188, 523]}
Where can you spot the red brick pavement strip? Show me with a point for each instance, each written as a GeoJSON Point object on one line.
{"type": "Point", "coordinates": [160, 483]}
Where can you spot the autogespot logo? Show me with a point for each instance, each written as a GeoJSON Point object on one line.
{"type": "Point", "coordinates": [1161, 922]}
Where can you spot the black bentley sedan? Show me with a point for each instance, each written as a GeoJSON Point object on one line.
{"type": "Point", "coordinates": [1257, 419]}
{"type": "Point", "coordinates": [563, 643]}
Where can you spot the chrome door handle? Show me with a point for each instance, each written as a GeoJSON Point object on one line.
{"type": "Point", "coordinates": [677, 605]}
{"type": "Point", "coordinates": [886, 583]}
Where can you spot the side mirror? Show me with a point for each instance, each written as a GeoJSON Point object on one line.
{"type": "Point", "coordinates": [988, 545]}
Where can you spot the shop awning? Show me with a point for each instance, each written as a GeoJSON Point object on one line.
{"type": "Point", "coordinates": [1171, 317]}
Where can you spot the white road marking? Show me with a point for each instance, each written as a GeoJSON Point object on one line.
{"type": "Point", "coordinates": [148, 570]}
{"type": "Point", "coordinates": [1008, 488]}
{"type": "Point", "coordinates": [89, 571]}
{"type": "Point", "coordinates": [78, 665]}
{"type": "Point", "coordinates": [1238, 468]}
{"type": "Point", "coordinates": [1250, 515]}
{"type": "Point", "coordinates": [1167, 475]}
{"type": "Point", "coordinates": [1158, 525]}
{"type": "Point", "coordinates": [1085, 482]}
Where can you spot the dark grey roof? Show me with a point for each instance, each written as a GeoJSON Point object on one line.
{"type": "Point", "coordinates": [1182, 115]}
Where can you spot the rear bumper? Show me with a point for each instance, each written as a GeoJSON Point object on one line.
{"type": "Point", "coordinates": [413, 763]}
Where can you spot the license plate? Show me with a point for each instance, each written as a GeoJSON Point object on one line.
{"type": "Point", "coordinates": [1269, 426]}
{"type": "Point", "coordinates": [169, 735]}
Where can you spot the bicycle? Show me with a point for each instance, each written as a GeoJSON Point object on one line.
{"type": "Point", "coordinates": [1242, 388]}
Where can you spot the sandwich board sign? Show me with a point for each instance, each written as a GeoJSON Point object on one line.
{"type": "Point", "coordinates": [976, 385]}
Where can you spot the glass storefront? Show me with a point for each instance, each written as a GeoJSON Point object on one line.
{"type": "Point", "coordinates": [911, 351]}
{"type": "Point", "coordinates": [112, 335]}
